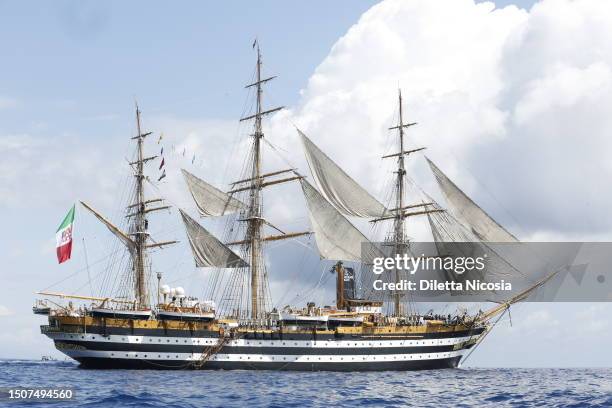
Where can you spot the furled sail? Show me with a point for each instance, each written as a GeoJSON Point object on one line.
{"type": "Point", "coordinates": [337, 186]}
{"type": "Point", "coordinates": [479, 222]}
{"type": "Point", "coordinates": [210, 200]}
{"type": "Point", "coordinates": [335, 236]}
{"type": "Point", "coordinates": [122, 236]}
{"type": "Point", "coordinates": [207, 250]}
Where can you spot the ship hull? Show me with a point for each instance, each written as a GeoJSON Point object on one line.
{"type": "Point", "coordinates": [136, 364]}
{"type": "Point", "coordinates": [269, 351]}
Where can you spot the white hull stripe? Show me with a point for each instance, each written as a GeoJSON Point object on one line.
{"type": "Point", "coordinates": [199, 341]}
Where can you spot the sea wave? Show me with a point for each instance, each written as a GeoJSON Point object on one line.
{"type": "Point", "coordinates": [459, 387]}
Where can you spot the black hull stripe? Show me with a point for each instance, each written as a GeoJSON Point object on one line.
{"type": "Point", "coordinates": [107, 363]}
{"type": "Point", "coordinates": [275, 336]}
{"type": "Point", "coordinates": [183, 348]}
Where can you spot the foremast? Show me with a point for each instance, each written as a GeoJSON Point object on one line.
{"type": "Point", "coordinates": [399, 214]}
{"type": "Point", "coordinates": [399, 238]}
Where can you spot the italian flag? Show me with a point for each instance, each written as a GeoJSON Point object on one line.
{"type": "Point", "coordinates": [63, 237]}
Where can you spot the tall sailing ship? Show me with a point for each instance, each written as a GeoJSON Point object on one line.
{"type": "Point", "coordinates": [165, 329]}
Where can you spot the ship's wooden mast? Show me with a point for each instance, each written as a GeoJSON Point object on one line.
{"type": "Point", "coordinates": [138, 211]}
{"type": "Point", "coordinates": [401, 210]}
{"type": "Point", "coordinates": [399, 221]}
{"type": "Point", "coordinates": [254, 237]}
{"type": "Point", "coordinates": [255, 219]}
{"type": "Point", "coordinates": [399, 238]}
{"type": "Point", "coordinates": [140, 223]}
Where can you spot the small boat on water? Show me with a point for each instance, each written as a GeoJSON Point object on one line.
{"type": "Point", "coordinates": [41, 308]}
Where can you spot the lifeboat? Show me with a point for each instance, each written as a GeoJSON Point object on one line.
{"type": "Point", "coordinates": [120, 313]}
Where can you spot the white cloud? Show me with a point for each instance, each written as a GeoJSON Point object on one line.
{"type": "Point", "coordinates": [46, 170]}
{"type": "Point", "coordinates": [513, 104]}
{"type": "Point", "coordinates": [563, 86]}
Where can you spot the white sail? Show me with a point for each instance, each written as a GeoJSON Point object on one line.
{"type": "Point", "coordinates": [210, 200]}
{"type": "Point", "coordinates": [335, 236]}
{"type": "Point", "coordinates": [207, 250]}
{"type": "Point", "coordinates": [466, 210]}
{"type": "Point", "coordinates": [337, 186]}
{"type": "Point", "coordinates": [122, 236]}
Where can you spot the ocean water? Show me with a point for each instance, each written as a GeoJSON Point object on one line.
{"type": "Point", "coordinates": [458, 388]}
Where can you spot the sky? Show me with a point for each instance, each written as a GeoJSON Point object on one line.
{"type": "Point", "coordinates": [512, 101]}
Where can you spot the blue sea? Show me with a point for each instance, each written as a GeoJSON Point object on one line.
{"type": "Point", "coordinates": [466, 387]}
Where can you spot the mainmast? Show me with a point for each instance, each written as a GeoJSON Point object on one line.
{"type": "Point", "coordinates": [253, 184]}
{"type": "Point", "coordinates": [255, 220]}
